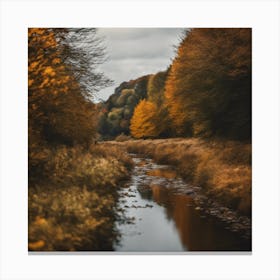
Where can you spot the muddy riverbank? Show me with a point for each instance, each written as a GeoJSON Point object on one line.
{"type": "Point", "coordinates": [166, 214]}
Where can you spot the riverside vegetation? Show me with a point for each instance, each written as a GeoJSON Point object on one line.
{"type": "Point", "coordinates": [72, 208]}
{"type": "Point", "coordinates": [73, 184]}
{"type": "Point", "coordinates": [221, 168]}
{"type": "Point", "coordinates": [204, 97]}
{"type": "Point", "coordinates": [194, 116]}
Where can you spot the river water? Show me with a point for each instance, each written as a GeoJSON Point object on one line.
{"type": "Point", "coordinates": [160, 218]}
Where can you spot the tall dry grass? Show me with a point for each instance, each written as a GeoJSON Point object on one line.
{"type": "Point", "coordinates": [71, 207]}
{"type": "Point", "coordinates": [222, 168]}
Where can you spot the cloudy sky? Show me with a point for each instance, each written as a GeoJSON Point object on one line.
{"type": "Point", "coordinates": [134, 52]}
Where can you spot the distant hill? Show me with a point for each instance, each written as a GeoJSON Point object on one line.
{"type": "Point", "coordinates": [206, 92]}
{"type": "Point", "coordinates": [117, 111]}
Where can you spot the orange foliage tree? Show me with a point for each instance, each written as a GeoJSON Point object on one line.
{"type": "Point", "coordinates": [208, 89]}
{"type": "Point", "coordinates": [143, 122]}
{"type": "Point", "coordinates": [155, 92]}
{"type": "Point", "coordinates": [60, 110]}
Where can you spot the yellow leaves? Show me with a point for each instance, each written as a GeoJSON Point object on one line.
{"type": "Point", "coordinates": [34, 246]}
{"type": "Point", "coordinates": [49, 71]}
{"type": "Point", "coordinates": [43, 36]}
{"type": "Point", "coordinates": [30, 82]}
{"type": "Point", "coordinates": [38, 31]}
{"type": "Point", "coordinates": [175, 104]}
{"type": "Point", "coordinates": [210, 71]}
{"type": "Point", "coordinates": [56, 60]}
{"type": "Point", "coordinates": [39, 221]}
{"type": "Point", "coordinates": [55, 89]}
{"type": "Point", "coordinates": [51, 42]}
{"type": "Point", "coordinates": [44, 83]}
{"type": "Point", "coordinates": [66, 79]}
{"type": "Point", "coordinates": [33, 65]}
{"type": "Point", "coordinates": [93, 223]}
{"type": "Point", "coordinates": [143, 120]}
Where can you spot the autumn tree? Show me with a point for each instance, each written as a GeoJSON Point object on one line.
{"type": "Point", "coordinates": [208, 89]}
{"type": "Point", "coordinates": [155, 92]}
{"type": "Point", "coordinates": [119, 108]}
{"type": "Point", "coordinates": [150, 117]}
{"type": "Point", "coordinates": [156, 87]}
{"type": "Point", "coordinates": [143, 122]}
{"type": "Point", "coordinates": [60, 110]}
{"type": "Point", "coordinates": [61, 83]}
{"type": "Point", "coordinates": [82, 51]}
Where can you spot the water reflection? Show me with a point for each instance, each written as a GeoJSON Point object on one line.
{"type": "Point", "coordinates": [196, 233]}
{"type": "Point", "coordinates": [164, 172]}
{"type": "Point", "coordinates": [171, 222]}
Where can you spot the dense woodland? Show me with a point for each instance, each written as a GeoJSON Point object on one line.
{"type": "Point", "coordinates": [204, 94]}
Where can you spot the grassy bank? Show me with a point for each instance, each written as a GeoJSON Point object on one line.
{"type": "Point", "coordinates": [222, 168]}
{"type": "Point", "coordinates": [71, 197]}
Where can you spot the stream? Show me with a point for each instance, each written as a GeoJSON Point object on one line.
{"type": "Point", "coordinates": [162, 215]}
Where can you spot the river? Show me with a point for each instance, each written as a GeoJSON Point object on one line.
{"type": "Point", "coordinates": [160, 217]}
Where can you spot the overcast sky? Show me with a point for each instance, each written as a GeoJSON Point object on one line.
{"type": "Point", "coordinates": [134, 52]}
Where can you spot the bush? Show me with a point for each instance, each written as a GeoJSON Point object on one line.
{"type": "Point", "coordinates": [122, 137]}
{"type": "Point", "coordinates": [222, 168]}
{"type": "Point", "coordinates": [71, 207]}
{"type": "Point", "coordinates": [70, 219]}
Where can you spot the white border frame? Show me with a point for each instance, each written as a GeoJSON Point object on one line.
{"type": "Point", "coordinates": [17, 16]}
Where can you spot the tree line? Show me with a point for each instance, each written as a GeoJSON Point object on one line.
{"type": "Point", "coordinates": [205, 92]}
{"type": "Point", "coordinates": [62, 81]}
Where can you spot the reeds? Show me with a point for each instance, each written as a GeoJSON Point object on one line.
{"type": "Point", "coordinates": [73, 207]}
{"type": "Point", "coordinates": [222, 168]}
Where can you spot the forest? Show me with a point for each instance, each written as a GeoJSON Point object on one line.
{"type": "Point", "coordinates": [195, 117]}
{"type": "Point", "coordinates": [205, 92]}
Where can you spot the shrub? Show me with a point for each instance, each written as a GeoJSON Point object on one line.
{"type": "Point", "coordinates": [122, 137]}
{"type": "Point", "coordinates": [222, 168]}
{"type": "Point", "coordinates": [71, 208]}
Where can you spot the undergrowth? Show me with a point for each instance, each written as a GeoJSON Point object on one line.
{"type": "Point", "coordinates": [72, 195]}
{"type": "Point", "coordinates": [222, 168]}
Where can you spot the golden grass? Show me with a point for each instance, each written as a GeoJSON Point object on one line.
{"type": "Point", "coordinates": [222, 168]}
{"type": "Point", "coordinates": [72, 208]}
{"type": "Point", "coordinates": [69, 219]}
{"type": "Point", "coordinates": [122, 137]}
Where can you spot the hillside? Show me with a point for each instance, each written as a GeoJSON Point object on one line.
{"type": "Point", "coordinates": [205, 92]}
{"type": "Point", "coordinates": [117, 111]}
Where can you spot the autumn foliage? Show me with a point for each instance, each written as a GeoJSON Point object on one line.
{"type": "Point", "coordinates": [143, 122]}
{"type": "Point", "coordinates": [206, 92]}
{"type": "Point", "coordinates": [150, 118]}
{"type": "Point", "coordinates": [59, 110]}
{"type": "Point", "coordinates": [72, 183]}
{"type": "Point", "coordinates": [221, 168]}
{"type": "Point", "coordinates": [208, 89]}
{"type": "Point", "coordinates": [117, 111]}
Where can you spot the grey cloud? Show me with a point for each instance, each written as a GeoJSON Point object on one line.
{"type": "Point", "coordinates": [133, 52]}
{"type": "Point", "coordinates": [137, 33]}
